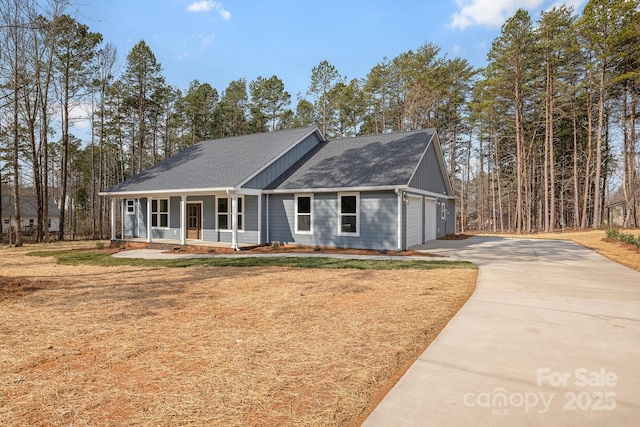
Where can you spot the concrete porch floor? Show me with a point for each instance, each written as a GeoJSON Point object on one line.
{"type": "Point", "coordinates": [190, 242]}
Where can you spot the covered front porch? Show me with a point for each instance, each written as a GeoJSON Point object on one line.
{"type": "Point", "coordinates": [189, 242]}
{"type": "Point", "coordinates": [215, 217]}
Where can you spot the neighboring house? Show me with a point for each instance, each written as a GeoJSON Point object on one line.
{"type": "Point", "coordinates": [28, 214]}
{"type": "Point", "coordinates": [387, 191]}
{"type": "Point", "coordinates": [616, 213]}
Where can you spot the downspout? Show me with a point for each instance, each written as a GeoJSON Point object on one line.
{"type": "Point", "coordinates": [399, 196]}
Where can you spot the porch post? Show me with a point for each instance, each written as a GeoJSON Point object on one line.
{"type": "Point", "coordinates": [234, 220]}
{"type": "Point", "coordinates": [399, 195]}
{"type": "Point", "coordinates": [149, 240]}
{"type": "Point", "coordinates": [259, 219]}
{"type": "Point", "coordinates": [183, 220]}
{"type": "Point", "coordinates": [113, 219]}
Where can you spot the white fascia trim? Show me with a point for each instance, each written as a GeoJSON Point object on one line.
{"type": "Point", "coordinates": [429, 193]}
{"type": "Point", "coordinates": [167, 193]}
{"type": "Point", "coordinates": [336, 189]}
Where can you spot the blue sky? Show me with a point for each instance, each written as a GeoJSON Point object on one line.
{"type": "Point", "coordinates": [218, 42]}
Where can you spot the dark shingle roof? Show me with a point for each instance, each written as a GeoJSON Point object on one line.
{"type": "Point", "coordinates": [28, 206]}
{"type": "Point", "coordinates": [219, 163]}
{"type": "Point", "coordinates": [368, 161]}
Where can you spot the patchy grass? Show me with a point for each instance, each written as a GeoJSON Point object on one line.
{"type": "Point", "coordinates": [78, 257]}
{"type": "Point", "coordinates": [150, 345]}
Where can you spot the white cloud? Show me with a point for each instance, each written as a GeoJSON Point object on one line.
{"type": "Point", "coordinates": [208, 6]}
{"type": "Point", "coordinates": [492, 13]}
{"type": "Point", "coordinates": [207, 39]}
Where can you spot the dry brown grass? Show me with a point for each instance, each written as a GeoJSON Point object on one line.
{"type": "Point", "coordinates": [596, 240]}
{"type": "Point", "coordinates": [210, 346]}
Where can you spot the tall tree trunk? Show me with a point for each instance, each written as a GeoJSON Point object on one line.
{"type": "Point", "coordinates": [576, 184]}
{"type": "Point", "coordinates": [587, 174]}
{"type": "Point", "coordinates": [635, 205]}
{"type": "Point", "coordinates": [65, 156]}
{"type": "Point", "coordinates": [597, 195]}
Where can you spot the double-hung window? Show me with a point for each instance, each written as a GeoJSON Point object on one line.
{"type": "Point", "coordinates": [160, 213]}
{"type": "Point", "coordinates": [223, 218]}
{"type": "Point", "coordinates": [304, 213]}
{"type": "Point", "coordinates": [131, 206]}
{"type": "Point", "coordinates": [349, 204]}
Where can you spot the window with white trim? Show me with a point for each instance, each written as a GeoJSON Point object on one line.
{"type": "Point", "coordinates": [304, 213]}
{"type": "Point", "coordinates": [131, 207]}
{"type": "Point", "coordinates": [223, 210]}
{"type": "Point", "coordinates": [160, 213]}
{"type": "Point", "coordinates": [349, 205]}
{"type": "Point", "coordinates": [443, 211]}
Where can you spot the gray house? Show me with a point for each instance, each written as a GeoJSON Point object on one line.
{"type": "Point", "coordinates": [387, 191]}
{"type": "Point", "coordinates": [28, 214]}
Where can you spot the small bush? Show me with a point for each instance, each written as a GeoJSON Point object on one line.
{"type": "Point", "coordinates": [99, 245]}
{"type": "Point", "coordinates": [613, 233]}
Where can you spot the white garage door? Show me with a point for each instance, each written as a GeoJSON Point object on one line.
{"type": "Point", "coordinates": [414, 221]}
{"type": "Point", "coordinates": [429, 220]}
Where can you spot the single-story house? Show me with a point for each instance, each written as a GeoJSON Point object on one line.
{"type": "Point", "coordinates": [388, 191]}
{"type": "Point", "coordinates": [28, 213]}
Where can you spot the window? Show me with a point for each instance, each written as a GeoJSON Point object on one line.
{"type": "Point", "coordinates": [443, 211]}
{"type": "Point", "coordinates": [6, 221]}
{"type": "Point", "coordinates": [130, 206]}
{"type": "Point", "coordinates": [224, 213]}
{"type": "Point", "coordinates": [49, 222]}
{"type": "Point", "coordinates": [31, 221]}
{"type": "Point", "coordinates": [160, 213]}
{"type": "Point", "coordinates": [304, 214]}
{"type": "Point", "coordinates": [349, 213]}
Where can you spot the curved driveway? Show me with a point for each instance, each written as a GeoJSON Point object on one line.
{"type": "Point", "coordinates": [551, 336]}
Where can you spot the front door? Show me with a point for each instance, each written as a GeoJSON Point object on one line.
{"type": "Point", "coordinates": [194, 215]}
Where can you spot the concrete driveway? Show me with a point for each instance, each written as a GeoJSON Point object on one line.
{"type": "Point", "coordinates": [551, 336]}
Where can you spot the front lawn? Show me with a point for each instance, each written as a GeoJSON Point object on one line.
{"type": "Point", "coordinates": [89, 343]}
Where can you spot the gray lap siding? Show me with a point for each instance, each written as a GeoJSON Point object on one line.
{"type": "Point", "coordinates": [377, 215]}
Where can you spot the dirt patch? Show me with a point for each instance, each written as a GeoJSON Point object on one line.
{"type": "Point", "coordinates": [210, 346]}
{"type": "Point", "coordinates": [455, 236]}
{"type": "Point", "coordinates": [16, 287]}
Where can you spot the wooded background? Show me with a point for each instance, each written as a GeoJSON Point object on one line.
{"type": "Point", "coordinates": [542, 138]}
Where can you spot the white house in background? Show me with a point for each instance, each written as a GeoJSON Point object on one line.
{"type": "Point", "coordinates": [28, 213]}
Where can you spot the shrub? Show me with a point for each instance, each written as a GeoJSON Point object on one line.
{"type": "Point", "coordinates": [613, 233]}
{"type": "Point", "coordinates": [629, 239]}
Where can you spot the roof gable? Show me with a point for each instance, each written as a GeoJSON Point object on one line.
{"type": "Point", "coordinates": [220, 163]}
{"type": "Point", "coordinates": [368, 161]}
{"type": "Point", "coordinates": [28, 206]}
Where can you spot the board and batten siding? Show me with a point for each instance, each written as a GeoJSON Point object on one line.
{"type": "Point", "coordinates": [377, 215]}
{"type": "Point", "coordinates": [428, 176]}
{"type": "Point", "coordinates": [135, 224]}
{"type": "Point", "coordinates": [280, 166]}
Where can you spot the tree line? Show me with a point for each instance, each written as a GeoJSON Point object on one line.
{"type": "Point", "coordinates": [534, 141]}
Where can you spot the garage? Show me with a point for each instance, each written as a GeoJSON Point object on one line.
{"type": "Point", "coordinates": [429, 220]}
{"type": "Point", "coordinates": [414, 221]}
